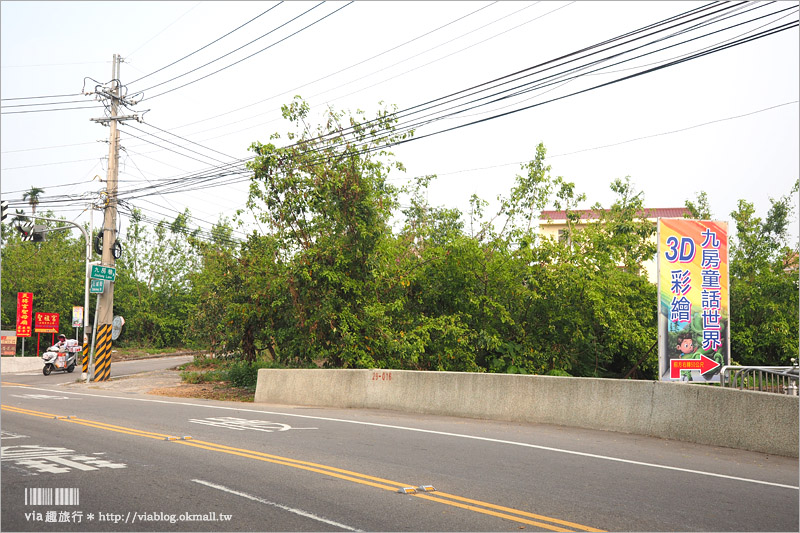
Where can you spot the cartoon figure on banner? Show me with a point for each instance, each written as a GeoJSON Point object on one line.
{"type": "Point", "coordinates": [686, 348]}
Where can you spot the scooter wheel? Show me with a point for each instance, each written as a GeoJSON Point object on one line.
{"type": "Point", "coordinates": [70, 368]}
{"type": "Point", "coordinates": [47, 369]}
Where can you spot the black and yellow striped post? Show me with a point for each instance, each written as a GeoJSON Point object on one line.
{"type": "Point", "coordinates": [85, 360]}
{"type": "Point", "coordinates": [102, 365]}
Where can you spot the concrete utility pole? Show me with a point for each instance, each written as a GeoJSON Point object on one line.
{"type": "Point", "coordinates": [105, 305]}
{"type": "Point", "coordinates": [109, 229]}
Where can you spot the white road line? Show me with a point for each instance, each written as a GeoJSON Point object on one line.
{"type": "Point", "coordinates": [299, 512]}
{"type": "Point", "coordinates": [446, 434]}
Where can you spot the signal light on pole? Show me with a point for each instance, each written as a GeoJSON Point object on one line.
{"type": "Point", "coordinates": [39, 233]}
{"type": "Point", "coordinates": [26, 230]}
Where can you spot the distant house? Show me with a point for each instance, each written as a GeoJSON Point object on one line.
{"type": "Point", "coordinates": [553, 225]}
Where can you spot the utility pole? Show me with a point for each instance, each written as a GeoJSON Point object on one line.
{"type": "Point", "coordinates": [105, 304]}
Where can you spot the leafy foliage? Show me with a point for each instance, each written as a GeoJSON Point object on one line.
{"type": "Point", "coordinates": [764, 285]}
{"type": "Point", "coordinates": [345, 277]}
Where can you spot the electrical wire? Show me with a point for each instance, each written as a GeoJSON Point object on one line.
{"type": "Point", "coordinates": [35, 97]}
{"type": "Point", "coordinates": [349, 67]}
{"type": "Point", "coordinates": [253, 54]}
{"type": "Point", "coordinates": [46, 110]}
{"type": "Point", "coordinates": [236, 172]}
{"type": "Point", "coordinates": [206, 46]}
{"type": "Point", "coordinates": [237, 49]}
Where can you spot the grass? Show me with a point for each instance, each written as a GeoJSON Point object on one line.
{"type": "Point", "coordinates": [225, 378]}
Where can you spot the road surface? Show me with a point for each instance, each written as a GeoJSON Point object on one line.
{"type": "Point", "coordinates": [81, 459]}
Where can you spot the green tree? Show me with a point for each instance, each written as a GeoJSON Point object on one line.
{"type": "Point", "coordinates": [593, 311]}
{"type": "Point", "coordinates": [764, 285]}
{"type": "Point", "coordinates": [33, 197]}
{"type": "Point", "coordinates": [327, 203]}
{"type": "Point", "coordinates": [53, 270]}
{"type": "Point", "coordinates": [153, 289]}
{"type": "Point", "coordinates": [701, 209]}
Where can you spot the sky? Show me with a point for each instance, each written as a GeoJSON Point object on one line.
{"type": "Point", "coordinates": [725, 123]}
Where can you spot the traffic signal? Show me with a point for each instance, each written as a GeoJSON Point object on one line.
{"type": "Point", "coordinates": [39, 231]}
{"type": "Point", "coordinates": [26, 230]}
{"type": "Point", "coordinates": [33, 232]}
{"type": "Point", "coordinates": [4, 205]}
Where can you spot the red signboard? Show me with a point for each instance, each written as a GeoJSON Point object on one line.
{"type": "Point", "coordinates": [24, 314]}
{"type": "Point", "coordinates": [46, 323]}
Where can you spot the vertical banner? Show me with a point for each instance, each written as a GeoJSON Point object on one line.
{"type": "Point", "coordinates": [24, 314]}
{"type": "Point", "coordinates": [77, 316]}
{"type": "Point", "coordinates": [693, 299]}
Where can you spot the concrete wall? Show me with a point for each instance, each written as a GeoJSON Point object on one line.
{"type": "Point", "coordinates": [20, 364]}
{"type": "Point", "coordinates": [694, 413]}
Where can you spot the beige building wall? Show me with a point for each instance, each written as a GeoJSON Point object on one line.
{"type": "Point", "coordinates": [552, 223]}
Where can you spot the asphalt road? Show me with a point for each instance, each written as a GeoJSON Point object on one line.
{"type": "Point", "coordinates": [116, 466]}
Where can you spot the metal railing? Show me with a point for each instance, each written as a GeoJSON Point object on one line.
{"type": "Point", "coordinates": [773, 379]}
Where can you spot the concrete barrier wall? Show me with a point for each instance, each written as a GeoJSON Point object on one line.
{"type": "Point", "coordinates": [694, 413]}
{"type": "Point", "coordinates": [9, 365]}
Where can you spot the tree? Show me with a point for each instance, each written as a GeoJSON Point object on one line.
{"type": "Point", "coordinates": [33, 197]}
{"type": "Point", "coordinates": [54, 271]}
{"type": "Point", "coordinates": [153, 287]}
{"type": "Point", "coordinates": [327, 202]}
{"type": "Point", "coordinates": [764, 285]}
{"type": "Point", "coordinates": [700, 210]}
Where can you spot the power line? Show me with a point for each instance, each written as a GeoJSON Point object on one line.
{"type": "Point", "coordinates": [45, 148]}
{"type": "Point", "coordinates": [408, 126]}
{"type": "Point", "coordinates": [47, 103]}
{"type": "Point", "coordinates": [46, 110]}
{"type": "Point", "coordinates": [234, 51]}
{"type": "Point", "coordinates": [348, 67]}
{"type": "Point", "coordinates": [234, 171]}
{"type": "Point", "coordinates": [209, 44]}
{"type": "Point", "coordinates": [251, 55]}
{"type": "Point", "coordinates": [165, 29]}
{"type": "Point", "coordinates": [35, 97]}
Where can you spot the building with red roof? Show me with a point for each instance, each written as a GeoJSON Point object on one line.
{"type": "Point", "coordinates": [553, 225]}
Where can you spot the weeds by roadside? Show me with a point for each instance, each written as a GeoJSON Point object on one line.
{"type": "Point", "coordinates": [221, 378]}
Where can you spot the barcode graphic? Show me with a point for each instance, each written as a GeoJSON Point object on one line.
{"type": "Point", "coordinates": [52, 496]}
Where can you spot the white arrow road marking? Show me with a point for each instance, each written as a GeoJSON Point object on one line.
{"type": "Point", "coordinates": [278, 505]}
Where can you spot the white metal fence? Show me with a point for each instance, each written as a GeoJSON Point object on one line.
{"type": "Point", "coordinates": [773, 379]}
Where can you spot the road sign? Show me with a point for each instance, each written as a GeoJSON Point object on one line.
{"type": "Point", "coordinates": [704, 365]}
{"type": "Point", "coordinates": [104, 272]}
{"type": "Point", "coordinates": [9, 342]}
{"type": "Point", "coordinates": [46, 323]}
{"type": "Point", "coordinates": [97, 286]}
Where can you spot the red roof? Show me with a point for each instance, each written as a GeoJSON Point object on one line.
{"type": "Point", "coordinates": [657, 212]}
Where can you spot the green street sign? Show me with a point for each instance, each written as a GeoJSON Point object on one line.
{"type": "Point", "coordinates": [104, 272]}
{"type": "Point", "coordinates": [97, 286]}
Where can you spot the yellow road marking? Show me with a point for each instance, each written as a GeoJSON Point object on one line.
{"type": "Point", "coordinates": [523, 513]}
{"type": "Point", "coordinates": [347, 475]}
{"type": "Point", "coordinates": [111, 427]}
{"type": "Point", "coordinates": [13, 384]}
{"type": "Point", "coordinates": [286, 463]}
{"type": "Point", "coordinates": [395, 484]}
{"type": "Point", "coordinates": [27, 412]}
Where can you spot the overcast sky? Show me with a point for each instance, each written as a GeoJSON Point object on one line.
{"type": "Point", "coordinates": [737, 108]}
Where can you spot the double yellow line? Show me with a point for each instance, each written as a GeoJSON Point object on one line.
{"type": "Point", "coordinates": [507, 513]}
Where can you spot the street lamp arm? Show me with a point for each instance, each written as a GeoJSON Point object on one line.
{"type": "Point", "coordinates": [88, 258]}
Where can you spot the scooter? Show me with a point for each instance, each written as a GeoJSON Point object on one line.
{"type": "Point", "coordinates": [56, 360]}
